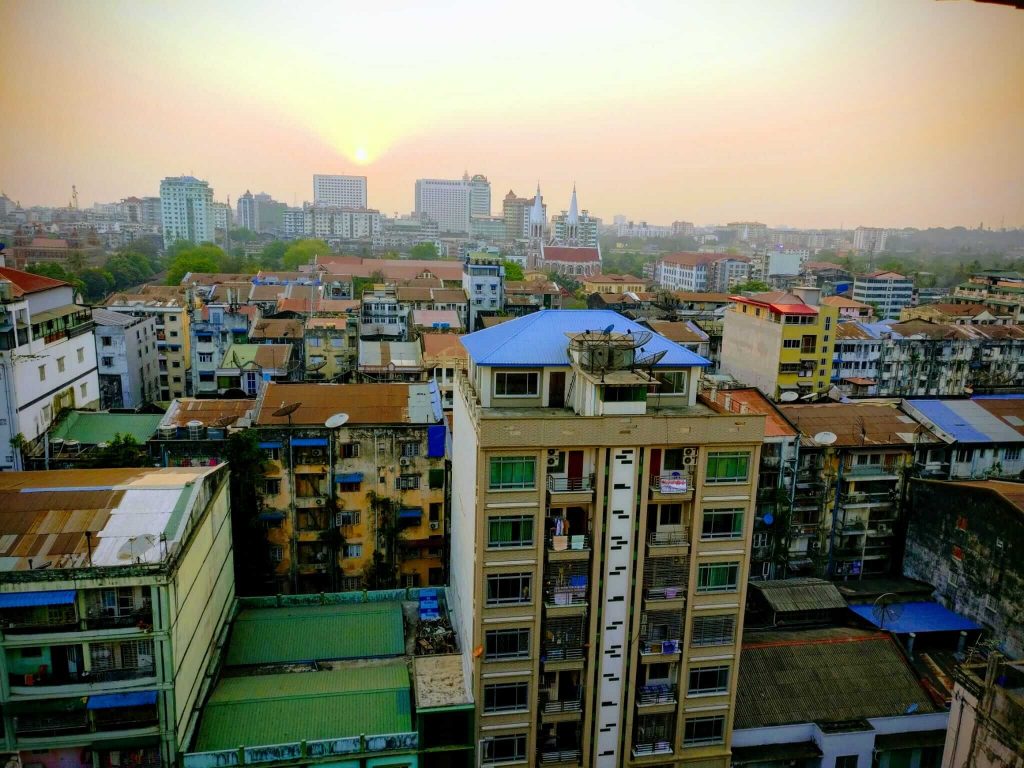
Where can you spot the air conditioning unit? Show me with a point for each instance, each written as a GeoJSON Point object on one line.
{"type": "Point", "coordinates": [320, 501]}
{"type": "Point", "coordinates": [316, 453]}
{"type": "Point", "coordinates": [552, 452]}
{"type": "Point", "coordinates": [690, 452]}
{"type": "Point", "coordinates": [552, 461]}
{"type": "Point", "coordinates": [405, 462]}
{"type": "Point", "coordinates": [434, 525]}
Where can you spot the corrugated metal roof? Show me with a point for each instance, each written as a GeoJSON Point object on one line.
{"type": "Point", "coordinates": [805, 594]}
{"type": "Point", "coordinates": [210, 412]}
{"type": "Point", "coordinates": [915, 617]}
{"type": "Point", "coordinates": [316, 633]}
{"type": "Point", "coordinates": [822, 676]}
{"type": "Point", "coordinates": [858, 425]}
{"type": "Point", "coordinates": [971, 421]}
{"type": "Point", "coordinates": [92, 428]}
{"type": "Point", "coordinates": [364, 403]}
{"type": "Point", "coordinates": [260, 710]}
{"type": "Point", "coordinates": [540, 339]}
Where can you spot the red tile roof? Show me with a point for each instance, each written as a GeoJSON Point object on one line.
{"type": "Point", "coordinates": [778, 301]}
{"type": "Point", "coordinates": [577, 255]}
{"type": "Point", "coordinates": [26, 282]}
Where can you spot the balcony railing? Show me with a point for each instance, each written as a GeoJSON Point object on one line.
{"type": "Point", "coordinates": [771, 461]}
{"type": "Point", "coordinates": [657, 694]}
{"type": "Point", "coordinates": [566, 595]}
{"type": "Point", "coordinates": [671, 482]}
{"type": "Point", "coordinates": [563, 652]}
{"type": "Point", "coordinates": [118, 673]}
{"type": "Point", "coordinates": [106, 618]}
{"type": "Point", "coordinates": [640, 749]}
{"type": "Point", "coordinates": [570, 484]}
{"type": "Point", "coordinates": [676, 592]}
{"type": "Point", "coordinates": [556, 707]}
{"type": "Point", "coordinates": [666, 538]}
{"type": "Point", "coordinates": [884, 497]}
{"type": "Point", "coordinates": [579, 542]}
{"type": "Point", "coordinates": [125, 718]}
{"type": "Point", "coordinates": [861, 470]}
{"type": "Point", "coordinates": [560, 755]}
{"type": "Point", "coordinates": [660, 647]}
{"type": "Point", "coordinates": [39, 726]}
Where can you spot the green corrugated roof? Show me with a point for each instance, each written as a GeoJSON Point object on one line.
{"type": "Point", "coordinates": [259, 710]}
{"type": "Point", "coordinates": [91, 428]}
{"type": "Point", "coordinates": [316, 633]}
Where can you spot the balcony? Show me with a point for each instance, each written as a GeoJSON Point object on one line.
{"type": "Point", "coordinates": [888, 471]}
{"type": "Point", "coordinates": [51, 725]}
{"type": "Point", "coordinates": [571, 489]}
{"type": "Point", "coordinates": [650, 647]}
{"type": "Point", "coordinates": [574, 547]}
{"type": "Point", "coordinates": [564, 709]}
{"type": "Point", "coordinates": [771, 462]}
{"type": "Point", "coordinates": [857, 499]}
{"type": "Point", "coordinates": [672, 484]}
{"type": "Point", "coordinates": [560, 756]}
{"type": "Point", "coordinates": [657, 694]}
{"type": "Point", "coordinates": [668, 542]}
{"type": "Point", "coordinates": [651, 748]}
{"type": "Point", "coordinates": [107, 617]}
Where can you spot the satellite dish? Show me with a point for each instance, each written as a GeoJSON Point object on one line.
{"type": "Point", "coordinates": [825, 438]}
{"type": "Point", "coordinates": [287, 410]}
{"type": "Point", "coordinates": [337, 420]}
{"type": "Point", "coordinates": [224, 421]}
{"type": "Point", "coordinates": [609, 329]}
{"type": "Point", "coordinates": [136, 547]}
{"type": "Point", "coordinates": [768, 519]}
{"type": "Point", "coordinates": [885, 611]}
{"type": "Point", "coordinates": [788, 397]}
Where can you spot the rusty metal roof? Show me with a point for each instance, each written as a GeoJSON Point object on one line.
{"type": "Point", "coordinates": [209, 412]}
{"type": "Point", "coordinates": [858, 425]}
{"type": "Point", "coordinates": [364, 403]}
{"type": "Point", "coordinates": [276, 328]}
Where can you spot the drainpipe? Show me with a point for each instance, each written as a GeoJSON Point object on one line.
{"type": "Point", "coordinates": [910, 645]}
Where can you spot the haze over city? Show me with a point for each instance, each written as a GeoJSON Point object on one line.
{"type": "Point", "coordinates": [798, 113]}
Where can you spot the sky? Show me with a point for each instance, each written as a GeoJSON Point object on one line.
{"type": "Point", "coordinates": [798, 113]}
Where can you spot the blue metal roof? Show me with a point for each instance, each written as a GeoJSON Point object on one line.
{"type": "Point", "coordinates": [309, 442]}
{"type": "Point", "coordinates": [114, 700]}
{"type": "Point", "coordinates": [32, 599]}
{"type": "Point", "coordinates": [916, 617]}
{"type": "Point", "coordinates": [966, 421]}
{"type": "Point", "coordinates": [349, 477]}
{"type": "Point", "coordinates": [410, 514]}
{"type": "Point", "coordinates": [270, 444]}
{"type": "Point", "coordinates": [540, 339]}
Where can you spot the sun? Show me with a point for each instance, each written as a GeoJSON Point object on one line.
{"type": "Point", "coordinates": [361, 156]}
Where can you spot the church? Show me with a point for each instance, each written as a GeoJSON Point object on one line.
{"type": "Point", "coordinates": [573, 248]}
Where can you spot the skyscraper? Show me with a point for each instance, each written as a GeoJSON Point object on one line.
{"type": "Point", "coordinates": [340, 191]}
{"type": "Point", "coordinates": [451, 202]}
{"type": "Point", "coordinates": [600, 542]}
{"type": "Point", "coordinates": [247, 212]}
{"type": "Point", "coordinates": [186, 210]}
{"type": "Point", "coordinates": [479, 194]}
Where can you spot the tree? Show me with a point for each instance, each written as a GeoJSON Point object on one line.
{"type": "Point", "coordinates": [243, 235]}
{"type": "Point", "coordinates": [96, 284]}
{"type": "Point", "coordinates": [57, 272]}
{"type": "Point", "coordinates": [273, 253]}
{"type": "Point", "coordinates": [512, 270]}
{"type": "Point", "coordinates": [200, 258]}
{"type": "Point", "coordinates": [252, 552]}
{"type": "Point", "coordinates": [752, 286]}
{"type": "Point", "coordinates": [424, 251]}
{"type": "Point", "coordinates": [302, 252]}
{"type": "Point", "coordinates": [123, 451]}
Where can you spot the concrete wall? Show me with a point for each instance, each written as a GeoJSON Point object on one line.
{"type": "Point", "coordinates": [750, 350]}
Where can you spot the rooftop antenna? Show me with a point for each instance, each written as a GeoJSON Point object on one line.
{"type": "Point", "coordinates": [886, 610]}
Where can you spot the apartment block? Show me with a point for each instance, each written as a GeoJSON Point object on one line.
{"type": "Point", "coordinates": [186, 210]}
{"type": "Point", "coordinates": [174, 357]}
{"type": "Point", "coordinates": [340, 498]}
{"type": "Point", "coordinates": [108, 630]}
{"type": "Point", "coordinates": [780, 342]}
{"type": "Point", "coordinates": [340, 191]}
{"type": "Point", "coordinates": [47, 360]}
{"type": "Point", "coordinates": [701, 271]}
{"type": "Point", "coordinates": [888, 292]}
{"type": "Point", "coordinates": [601, 524]}
{"type": "Point", "coordinates": [127, 357]}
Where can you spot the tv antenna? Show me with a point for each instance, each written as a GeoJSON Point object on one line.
{"type": "Point", "coordinates": [885, 610]}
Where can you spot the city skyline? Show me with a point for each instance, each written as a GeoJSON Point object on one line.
{"type": "Point", "coordinates": [805, 114]}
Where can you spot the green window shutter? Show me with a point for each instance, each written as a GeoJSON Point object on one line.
{"type": "Point", "coordinates": [436, 479]}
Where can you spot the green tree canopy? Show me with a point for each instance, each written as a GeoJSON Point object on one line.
{"type": "Point", "coordinates": [123, 451]}
{"type": "Point", "coordinates": [96, 284]}
{"type": "Point", "coordinates": [424, 251]}
{"type": "Point", "coordinates": [243, 235]}
{"type": "Point", "coordinates": [302, 252]}
{"type": "Point", "coordinates": [199, 258]}
{"type": "Point", "coordinates": [753, 286]}
{"type": "Point", "coordinates": [57, 272]}
{"type": "Point", "coordinates": [273, 253]}
{"type": "Point", "coordinates": [512, 270]}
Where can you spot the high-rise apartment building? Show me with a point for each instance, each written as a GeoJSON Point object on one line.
{"type": "Point", "coordinates": [780, 342]}
{"type": "Point", "coordinates": [186, 210]}
{"type": "Point", "coordinates": [870, 239]}
{"type": "Point", "coordinates": [516, 212]}
{"type": "Point", "coordinates": [451, 202]}
{"type": "Point", "coordinates": [890, 292]}
{"type": "Point", "coordinates": [601, 524]}
{"type": "Point", "coordinates": [247, 212]}
{"type": "Point", "coordinates": [574, 228]}
{"type": "Point", "coordinates": [340, 191]}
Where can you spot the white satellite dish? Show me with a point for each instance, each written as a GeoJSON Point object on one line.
{"type": "Point", "coordinates": [825, 438]}
{"type": "Point", "coordinates": [136, 547]}
{"type": "Point", "coordinates": [788, 397]}
{"type": "Point", "coordinates": [337, 420]}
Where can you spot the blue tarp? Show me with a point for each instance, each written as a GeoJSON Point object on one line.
{"type": "Point", "coordinates": [270, 445]}
{"type": "Point", "coordinates": [410, 514]}
{"type": "Point", "coordinates": [349, 477]}
{"type": "Point", "coordinates": [309, 442]}
{"type": "Point", "coordinates": [915, 617]}
{"type": "Point", "coordinates": [32, 599]}
{"type": "Point", "coordinates": [114, 700]}
{"type": "Point", "coordinates": [270, 515]}
{"type": "Point", "coordinates": [435, 440]}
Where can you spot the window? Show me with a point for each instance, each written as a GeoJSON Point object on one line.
{"type": "Point", "coordinates": [206, 357]}
{"type": "Point", "coordinates": [728, 468]}
{"type": "Point", "coordinates": [508, 588]}
{"type": "Point", "coordinates": [42, 373]}
{"type": "Point", "coordinates": [703, 730]}
{"type": "Point", "coordinates": [504, 749]}
{"type": "Point", "coordinates": [672, 382]}
{"type": "Point", "coordinates": [272, 487]}
{"type": "Point", "coordinates": [513, 472]}
{"type": "Point", "coordinates": [60, 365]}
{"type": "Point", "coordinates": [722, 524]}
{"type": "Point", "coordinates": [717, 577]}
{"type": "Point", "coordinates": [1011, 454]}
{"type": "Point", "coordinates": [410, 449]}
{"type": "Point", "coordinates": [107, 362]}
{"type": "Point", "coordinates": [791, 343]}
{"type": "Point", "coordinates": [84, 389]}
{"type": "Point", "coordinates": [407, 482]}
{"type": "Point", "coordinates": [274, 454]}
{"type": "Point", "coordinates": [276, 554]}
{"type": "Point", "coordinates": [106, 341]}
{"type": "Point", "coordinates": [81, 354]}
{"type": "Point", "coordinates": [760, 539]}
{"type": "Point", "coordinates": [506, 644]}
{"type": "Point", "coordinates": [670, 514]}
{"type": "Point", "coordinates": [510, 531]}
{"type": "Point", "coordinates": [516, 384]}
{"type": "Point", "coordinates": [350, 451]}
{"type": "Point", "coordinates": [352, 550]}
{"type": "Point", "coordinates": [434, 512]}
{"type": "Point", "coordinates": [314, 342]}
{"type": "Point", "coordinates": [346, 517]}
{"type": "Point", "coordinates": [708, 680]}
{"type": "Point", "coordinates": [506, 697]}
{"type": "Point", "coordinates": [713, 630]}
{"type": "Point", "coordinates": [846, 761]}
{"type": "Point", "coordinates": [176, 364]}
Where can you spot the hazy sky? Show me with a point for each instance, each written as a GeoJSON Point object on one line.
{"type": "Point", "coordinates": [817, 113]}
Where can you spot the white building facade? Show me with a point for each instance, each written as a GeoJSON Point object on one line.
{"type": "Point", "coordinates": [889, 291]}
{"type": "Point", "coordinates": [128, 363]}
{"type": "Point", "coordinates": [340, 191]}
{"type": "Point", "coordinates": [451, 202]}
{"type": "Point", "coordinates": [186, 210]}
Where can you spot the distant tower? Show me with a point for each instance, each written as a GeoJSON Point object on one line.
{"type": "Point", "coordinates": [572, 222]}
{"type": "Point", "coordinates": [538, 224]}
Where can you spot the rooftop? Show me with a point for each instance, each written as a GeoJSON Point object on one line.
{"type": "Point", "coordinates": [613, 279]}
{"type": "Point", "coordinates": [924, 616]}
{"type": "Point", "coordinates": [429, 318]}
{"type": "Point", "coordinates": [752, 400]}
{"type": "Point", "coordinates": [978, 420]}
{"type": "Point", "coordinates": [128, 513]}
{"type": "Point", "coordinates": [683, 332]}
{"type": "Point", "coordinates": [699, 296]}
{"type": "Point", "coordinates": [271, 328]}
{"type": "Point", "coordinates": [440, 346]}
{"type": "Point", "coordinates": [210, 412]}
{"type": "Point", "coordinates": [93, 428]}
{"type": "Point", "coordinates": [844, 303]}
{"type": "Point", "coordinates": [364, 403]}
{"type": "Point", "coordinates": [694, 259]}
{"type": "Point", "coordinates": [316, 633]}
{"type": "Point", "coordinates": [824, 676]}
{"type": "Point", "coordinates": [269, 356]}
{"type": "Point", "coordinates": [103, 316]}
{"type": "Point", "coordinates": [26, 282]}
{"type": "Point", "coordinates": [778, 301]}
{"type": "Point", "coordinates": [1012, 493]}
{"type": "Point", "coordinates": [857, 425]}
{"type": "Point", "coordinates": [290, 707]}
{"type": "Point", "coordinates": [822, 266]}
{"type": "Point", "coordinates": [883, 274]}
{"type": "Point", "coordinates": [439, 682]}
{"type": "Point", "coordinates": [390, 355]}
{"type": "Point", "coordinates": [799, 594]}
{"type": "Point", "coordinates": [541, 338]}
{"type": "Point", "coordinates": [576, 255]}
